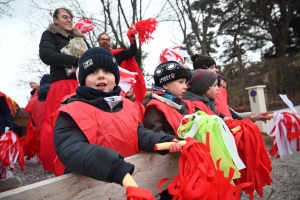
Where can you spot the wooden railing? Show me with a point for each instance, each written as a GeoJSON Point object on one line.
{"type": "Point", "coordinates": [149, 169]}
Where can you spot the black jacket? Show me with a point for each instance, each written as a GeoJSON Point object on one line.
{"type": "Point", "coordinates": [98, 162]}
{"type": "Point", "coordinates": [126, 54]}
{"type": "Point", "coordinates": [52, 41]}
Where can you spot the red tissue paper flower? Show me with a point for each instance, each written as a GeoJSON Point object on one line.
{"type": "Point", "coordinates": [199, 178]}
{"type": "Point", "coordinates": [137, 193]}
{"type": "Point", "coordinates": [84, 25]}
{"type": "Point", "coordinates": [252, 150]}
{"type": "Point", "coordinates": [144, 29]}
{"type": "Point", "coordinates": [11, 152]}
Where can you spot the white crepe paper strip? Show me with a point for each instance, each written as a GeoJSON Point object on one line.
{"type": "Point", "coordinates": [288, 102]}
{"type": "Point", "coordinates": [285, 146]}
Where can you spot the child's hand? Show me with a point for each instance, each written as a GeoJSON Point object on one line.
{"type": "Point", "coordinates": [175, 147]}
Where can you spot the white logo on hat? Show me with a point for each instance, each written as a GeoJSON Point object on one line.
{"type": "Point", "coordinates": [87, 63]}
{"type": "Point", "coordinates": [114, 60]}
{"type": "Point", "coordinates": [171, 66]}
{"type": "Point", "coordinates": [158, 72]}
{"type": "Point", "coordinates": [166, 78]}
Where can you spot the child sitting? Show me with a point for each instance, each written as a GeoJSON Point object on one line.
{"type": "Point", "coordinates": [202, 90]}
{"type": "Point", "coordinates": [166, 108]}
{"type": "Point", "coordinates": [97, 128]}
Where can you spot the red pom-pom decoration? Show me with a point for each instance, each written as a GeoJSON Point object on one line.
{"type": "Point", "coordinates": [84, 25]}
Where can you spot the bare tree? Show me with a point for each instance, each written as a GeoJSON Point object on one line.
{"type": "Point", "coordinates": [195, 19]}
{"type": "Point", "coordinates": [5, 8]}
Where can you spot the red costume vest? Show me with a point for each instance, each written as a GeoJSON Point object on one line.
{"type": "Point", "coordinates": [141, 110]}
{"type": "Point", "coordinates": [201, 106]}
{"type": "Point", "coordinates": [117, 131]}
{"type": "Point", "coordinates": [171, 114]}
{"type": "Point", "coordinates": [222, 102]}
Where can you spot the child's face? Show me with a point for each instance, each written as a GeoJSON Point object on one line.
{"type": "Point", "coordinates": [177, 87]}
{"type": "Point", "coordinates": [213, 68]}
{"type": "Point", "coordinates": [101, 79]}
{"type": "Point", "coordinates": [213, 90]}
{"type": "Point", "coordinates": [223, 84]}
{"type": "Point", "coordinates": [33, 85]}
{"type": "Point", "coordinates": [129, 93]}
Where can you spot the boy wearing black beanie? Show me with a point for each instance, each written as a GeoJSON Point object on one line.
{"type": "Point", "coordinates": [165, 107]}
{"type": "Point", "coordinates": [97, 127]}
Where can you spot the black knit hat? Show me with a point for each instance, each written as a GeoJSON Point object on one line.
{"type": "Point", "coordinates": [45, 79]}
{"type": "Point", "coordinates": [201, 81]}
{"type": "Point", "coordinates": [169, 71]}
{"type": "Point", "coordinates": [202, 62]}
{"type": "Point", "coordinates": [94, 58]}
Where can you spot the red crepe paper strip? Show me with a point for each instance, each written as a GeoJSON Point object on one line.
{"type": "Point", "coordinates": [252, 150]}
{"type": "Point", "coordinates": [137, 193]}
{"type": "Point", "coordinates": [198, 178]}
{"type": "Point", "coordinates": [144, 28]}
{"type": "Point", "coordinates": [285, 133]}
{"type": "Point", "coordinates": [10, 152]}
{"type": "Point", "coordinates": [84, 25]}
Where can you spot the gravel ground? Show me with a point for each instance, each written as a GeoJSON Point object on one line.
{"type": "Point", "coordinates": [285, 175]}
{"type": "Point", "coordinates": [33, 172]}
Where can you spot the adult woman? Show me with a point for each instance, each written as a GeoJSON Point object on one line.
{"type": "Point", "coordinates": [63, 83]}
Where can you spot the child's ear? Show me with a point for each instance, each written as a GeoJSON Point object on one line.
{"type": "Point", "coordinates": [165, 86]}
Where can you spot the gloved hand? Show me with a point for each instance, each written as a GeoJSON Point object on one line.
{"type": "Point", "coordinates": [131, 32]}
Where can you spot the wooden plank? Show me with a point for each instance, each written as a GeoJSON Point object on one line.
{"type": "Point", "coordinates": [149, 169]}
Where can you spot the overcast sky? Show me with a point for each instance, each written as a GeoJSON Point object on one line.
{"type": "Point", "coordinates": [15, 46]}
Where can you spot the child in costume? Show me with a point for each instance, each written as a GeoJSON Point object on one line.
{"type": "Point", "coordinates": [208, 63]}
{"type": "Point", "coordinates": [97, 128]}
{"type": "Point", "coordinates": [38, 108]}
{"type": "Point", "coordinates": [202, 91]}
{"type": "Point", "coordinates": [34, 85]}
{"type": "Point", "coordinates": [165, 108]}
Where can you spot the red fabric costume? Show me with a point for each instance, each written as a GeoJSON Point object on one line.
{"type": "Point", "coordinates": [201, 106]}
{"type": "Point", "coordinates": [141, 110]}
{"type": "Point", "coordinates": [58, 90]}
{"type": "Point", "coordinates": [121, 136]}
{"type": "Point", "coordinates": [222, 102]}
{"type": "Point", "coordinates": [28, 141]}
{"type": "Point", "coordinates": [171, 114]}
{"type": "Point", "coordinates": [37, 113]}
{"type": "Point", "coordinates": [131, 65]}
